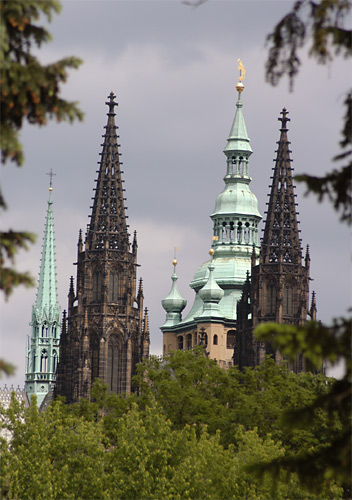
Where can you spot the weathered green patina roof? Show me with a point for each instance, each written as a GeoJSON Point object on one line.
{"type": "Point", "coordinates": [235, 228]}
{"type": "Point", "coordinates": [47, 298]}
{"type": "Point", "coordinates": [238, 139]}
{"type": "Point", "coordinates": [174, 303]}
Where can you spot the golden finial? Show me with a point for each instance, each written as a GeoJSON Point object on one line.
{"type": "Point", "coordinates": [240, 67]}
{"type": "Point", "coordinates": [174, 262]}
{"type": "Point", "coordinates": [211, 251]}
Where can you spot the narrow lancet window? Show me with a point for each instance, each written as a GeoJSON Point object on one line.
{"type": "Point", "coordinates": [288, 300]}
{"type": "Point", "coordinates": [44, 362]}
{"type": "Point", "coordinates": [113, 365]}
{"type": "Point", "coordinates": [113, 287]}
{"type": "Point", "coordinates": [180, 342]}
{"type": "Point", "coordinates": [97, 286]}
{"type": "Point", "coordinates": [271, 299]}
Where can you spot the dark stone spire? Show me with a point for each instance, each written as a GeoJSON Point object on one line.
{"type": "Point", "coordinates": [279, 288]}
{"type": "Point", "coordinates": [105, 331]}
{"type": "Point", "coordinates": [281, 235]}
{"type": "Point", "coordinates": [108, 227]}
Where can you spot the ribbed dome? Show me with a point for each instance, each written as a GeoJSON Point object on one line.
{"type": "Point", "coordinates": [236, 198]}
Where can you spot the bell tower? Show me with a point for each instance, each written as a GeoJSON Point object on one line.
{"type": "Point", "coordinates": [106, 332]}
{"type": "Point", "coordinates": [218, 282]}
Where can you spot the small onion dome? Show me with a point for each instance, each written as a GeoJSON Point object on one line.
{"type": "Point", "coordinates": [174, 302]}
{"type": "Point", "coordinates": [211, 292]}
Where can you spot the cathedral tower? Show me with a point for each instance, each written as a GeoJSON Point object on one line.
{"type": "Point", "coordinates": [278, 290]}
{"type": "Point", "coordinates": [106, 332]}
{"type": "Point", "coordinates": [43, 343]}
{"type": "Point", "coordinates": [218, 283]}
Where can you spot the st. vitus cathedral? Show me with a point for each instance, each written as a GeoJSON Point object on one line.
{"type": "Point", "coordinates": [106, 332]}
{"type": "Point", "coordinates": [245, 283]}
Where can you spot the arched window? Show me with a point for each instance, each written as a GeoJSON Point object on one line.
{"type": "Point", "coordinates": [97, 286]}
{"type": "Point", "coordinates": [271, 299]}
{"type": "Point", "coordinates": [215, 340]}
{"type": "Point", "coordinates": [113, 284]}
{"type": "Point", "coordinates": [224, 232]}
{"type": "Point", "coordinates": [239, 232]}
{"type": "Point", "coordinates": [231, 339]}
{"type": "Point", "coordinates": [180, 342]}
{"type": "Point", "coordinates": [44, 362]}
{"type": "Point", "coordinates": [113, 365]}
{"type": "Point", "coordinates": [53, 330]}
{"type": "Point", "coordinates": [54, 361]}
{"type": "Point", "coordinates": [94, 348]}
{"type": "Point", "coordinates": [189, 341]}
{"type": "Point", "coordinates": [232, 232]}
{"type": "Point", "coordinates": [246, 232]}
{"type": "Point", "coordinates": [240, 166]}
{"type": "Point", "coordinates": [45, 329]}
{"type": "Point", "coordinates": [287, 308]}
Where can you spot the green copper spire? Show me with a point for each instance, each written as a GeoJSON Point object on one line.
{"type": "Point", "coordinates": [43, 345]}
{"type": "Point", "coordinates": [235, 223]}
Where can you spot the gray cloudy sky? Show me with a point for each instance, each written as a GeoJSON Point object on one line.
{"type": "Point", "coordinates": [174, 71]}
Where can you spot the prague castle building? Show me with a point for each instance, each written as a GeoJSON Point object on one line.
{"type": "Point", "coordinates": [244, 283]}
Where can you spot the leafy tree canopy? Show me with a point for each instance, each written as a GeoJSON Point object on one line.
{"type": "Point", "coordinates": [70, 452]}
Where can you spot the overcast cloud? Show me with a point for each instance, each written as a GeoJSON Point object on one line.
{"type": "Point", "coordinates": [174, 71]}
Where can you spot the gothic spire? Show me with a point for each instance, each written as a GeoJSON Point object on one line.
{"type": "Point", "coordinates": [43, 343]}
{"type": "Point", "coordinates": [47, 298]}
{"type": "Point", "coordinates": [281, 235]}
{"type": "Point", "coordinates": [108, 227]}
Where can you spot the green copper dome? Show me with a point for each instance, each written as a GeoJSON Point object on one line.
{"type": "Point", "coordinates": [236, 197]}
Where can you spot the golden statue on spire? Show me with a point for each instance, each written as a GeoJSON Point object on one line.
{"type": "Point", "coordinates": [240, 67]}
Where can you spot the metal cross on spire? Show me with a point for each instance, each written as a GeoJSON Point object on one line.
{"type": "Point", "coordinates": [284, 119]}
{"type": "Point", "coordinates": [111, 102]}
{"type": "Point", "coordinates": [51, 175]}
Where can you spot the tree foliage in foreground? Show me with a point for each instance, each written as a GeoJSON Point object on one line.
{"type": "Point", "coordinates": [142, 447]}
{"type": "Point", "coordinates": [324, 25]}
{"type": "Point", "coordinates": [30, 93]}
